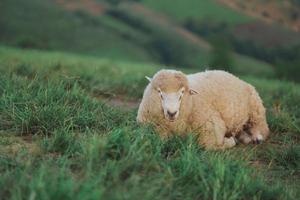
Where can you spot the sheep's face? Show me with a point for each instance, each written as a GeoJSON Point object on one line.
{"type": "Point", "coordinates": [171, 103]}
{"type": "Point", "coordinates": [173, 89]}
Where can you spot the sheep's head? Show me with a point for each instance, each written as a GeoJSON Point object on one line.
{"type": "Point", "coordinates": [173, 89]}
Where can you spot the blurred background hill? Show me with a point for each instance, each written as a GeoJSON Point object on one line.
{"type": "Point", "coordinates": [258, 38]}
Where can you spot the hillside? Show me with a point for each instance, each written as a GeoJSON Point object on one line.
{"type": "Point", "coordinates": [204, 9]}
{"type": "Point", "coordinates": [286, 13]}
{"type": "Point", "coordinates": [46, 25]}
{"type": "Point", "coordinates": [57, 117]}
{"type": "Point", "coordinates": [126, 32]}
{"type": "Point", "coordinates": [270, 40]}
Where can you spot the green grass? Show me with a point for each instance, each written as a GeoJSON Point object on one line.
{"type": "Point", "coordinates": [106, 77]}
{"type": "Point", "coordinates": [57, 141]}
{"type": "Point", "coordinates": [204, 9]}
{"type": "Point", "coordinates": [245, 65]}
{"type": "Point", "coordinates": [45, 25]}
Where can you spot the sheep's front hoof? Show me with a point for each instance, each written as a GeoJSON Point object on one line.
{"type": "Point", "coordinates": [258, 139]}
{"type": "Point", "coordinates": [229, 142]}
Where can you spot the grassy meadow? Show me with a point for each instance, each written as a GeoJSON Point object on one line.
{"type": "Point", "coordinates": [46, 25]}
{"type": "Point", "coordinates": [204, 9]}
{"type": "Point", "coordinates": [62, 139]}
{"type": "Point", "coordinates": [72, 77]}
{"type": "Point", "coordinates": [125, 35]}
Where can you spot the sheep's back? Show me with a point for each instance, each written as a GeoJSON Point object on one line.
{"type": "Point", "coordinates": [225, 94]}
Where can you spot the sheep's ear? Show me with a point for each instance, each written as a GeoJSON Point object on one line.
{"type": "Point", "coordinates": [148, 78]}
{"type": "Point", "coordinates": [193, 92]}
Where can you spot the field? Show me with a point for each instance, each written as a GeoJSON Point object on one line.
{"type": "Point", "coordinates": [72, 74]}
{"type": "Point", "coordinates": [133, 37]}
{"type": "Point", "coordinates": [63, 137]}
{"type": "Point", "coordinates": [204, 9]}
{"type": "Point", "coordinates": [45, 25]}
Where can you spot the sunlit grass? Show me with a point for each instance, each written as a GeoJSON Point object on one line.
{"type": "Point", "coordinates": [60, 142]}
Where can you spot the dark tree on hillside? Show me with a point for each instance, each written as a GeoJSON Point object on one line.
{"type": "Point", "coordinates": [288, 70]}
{"type": "Point", "coordinates": [296, 2]}
{"type": "Point", "coordinates": [221, 57]}
{"type": "Point", "coordinates": [116, 2]}
{"type": "Point", "coordinates": [113, 2]}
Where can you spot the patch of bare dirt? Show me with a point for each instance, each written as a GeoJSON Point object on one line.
{"type": "Point", "coordinates": [90, 6]}
{"type": "Point", "coordinates": [12, 144]}
{"type": "Point", "coordinates": [119, 102]}
{"type": "Point", "coordinates": [127, 104]}
{"type": "Point", "coordinates": [282, 12]}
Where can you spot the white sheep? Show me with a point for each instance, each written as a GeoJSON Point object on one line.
{"type": "Point", "coordinates": [215, 105]}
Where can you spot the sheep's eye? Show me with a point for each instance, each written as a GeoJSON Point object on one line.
{"type": "Point", "coordinates": [182, 91]}
{"type": "Point", "coordinates": [180, 98]}
{"type": "Point", "coordinates": [160, 93]}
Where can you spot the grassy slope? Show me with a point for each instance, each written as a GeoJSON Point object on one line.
{"type": "Point", "coordinates": [250, 66]}
{"type": "Point", "coordinates": [207, 9]}
{"type": "Point", "coordinates": [100, 76]}
{"type": "Point", "coordinates": [196, 54]}
{"type": "Point", "coordinates": [93, 150]}
{"type": "Point", "coordinates": [182, 10]}
{"type": "Point", "coordinates": [102, 36]}
{"type": "Point", "coordinates": [43, 24]}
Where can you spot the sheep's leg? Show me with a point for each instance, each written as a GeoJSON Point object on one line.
{"type": "Point", "coordinates": [213, 136]}
{"type": "Point", "coordinates": [229, 142]}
